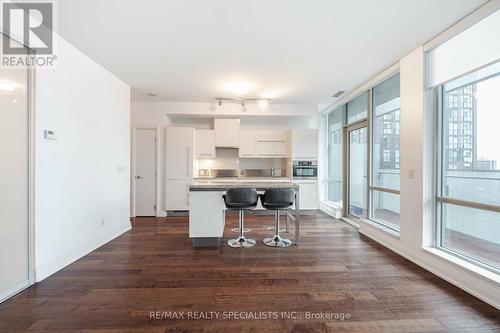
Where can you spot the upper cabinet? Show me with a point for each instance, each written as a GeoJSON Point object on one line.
{"type": "Point", "coordinates": [266, 136]}
{"type": "Point", "coordinates": [264, 143]}
{"type": "Point", "coordinates": [305, 144]}
{"type": "Point", "coordinates": [205, 143]}
{"type": "Point", "coordinates": [247, 143]}
{"type": "Point", "coordinates": [227, 133]}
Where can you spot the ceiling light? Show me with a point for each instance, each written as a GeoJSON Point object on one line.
{"type": "Point", "coordinates": [271, 94]}
{"type": "Point", "coordinates": [242, 100]}
{"type": "Point", "coordinates": [7, 86]}
{"type": "Point", "coordinates": [263, 103]}
{"type": "Point", "coordinates": [239, 88]}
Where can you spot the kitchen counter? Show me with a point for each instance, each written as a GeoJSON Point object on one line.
{"type": "Point", "coordinates": [242, 179]}
{"type": "Point", "coordinates": [211, 185]}
{"type": "Point", "coordinates": [207, 209]}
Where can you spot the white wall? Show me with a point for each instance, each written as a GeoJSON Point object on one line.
{"type": "Point", "coordinates": [82, 179]}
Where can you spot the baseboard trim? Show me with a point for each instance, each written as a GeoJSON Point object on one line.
{"type": "Point", "coordinates": [59, 263]}
{"type": "Point", "coordinates": [14, 290]}
{"type": "Point", "coordinates": [331, 210]}
{"type": "Point", "coordinates": [481, 293]}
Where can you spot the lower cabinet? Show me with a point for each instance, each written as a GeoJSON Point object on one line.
{"type": "Point", "coordinates": [308, 198]}
{"type": "Point", "coordinates": [177, 194]}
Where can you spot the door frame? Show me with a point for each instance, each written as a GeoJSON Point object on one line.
{"type": "Point", "coordinates": [133, 169]}
{"type": "Point", "coordinates": [347, 129]}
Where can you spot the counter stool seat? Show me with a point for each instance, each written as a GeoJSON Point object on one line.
{"type": "Point", "coordinates": [277, 199]}
{"type": "Point", "coordinates": [241, 199]}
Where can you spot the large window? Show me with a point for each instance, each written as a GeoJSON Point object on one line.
{"type": "Point", "coordinates": [468, 193]}
{"type": "Point", "coordinates": [384, 189]}
{"type": "Point", "coordinates": [335, 132]}
{"type": "Point", "coordinates": [357, 109]}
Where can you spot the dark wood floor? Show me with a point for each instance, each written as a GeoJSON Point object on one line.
{"type": "Point", "coordinates": [335, 270]}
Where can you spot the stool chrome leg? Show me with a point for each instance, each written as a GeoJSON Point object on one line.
{"type": "Point", "coordinates": [241, 241]}
{"type": "Point", "coordinates": [277, 241]}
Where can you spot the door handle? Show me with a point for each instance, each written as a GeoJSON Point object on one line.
{"type": "Point", "coordinates": [138, 177]}
{"type": "Point", "coordinates": [188, 161]}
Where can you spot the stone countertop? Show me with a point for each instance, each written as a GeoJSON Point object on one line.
{"type": "Point", "coordinates": [243, 179]}
{"type": "Point", "coordinates": [222, 186]}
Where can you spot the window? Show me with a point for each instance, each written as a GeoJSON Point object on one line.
{"type": "Point", "coordinates": [468, 193]}
{"type": "Point", "coordinates": [335, 147]}
{"type": "Point", "coordinates": [357, 109]}
{"type": "Point", "coordinates": [384, 189]}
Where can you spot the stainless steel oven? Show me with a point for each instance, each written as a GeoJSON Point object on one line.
{"type": "Point", "coordinates": [305, 169]}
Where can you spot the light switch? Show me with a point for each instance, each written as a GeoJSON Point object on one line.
{"type": "Point", "coordinates": [120, 169]}
{"type": "Point", "coordinates": [50, 135]}
{"type": "Point", "coordinates": [411, 173]}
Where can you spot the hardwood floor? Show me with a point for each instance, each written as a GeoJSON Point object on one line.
{"type": "Point", "coordinates": [335, 270]}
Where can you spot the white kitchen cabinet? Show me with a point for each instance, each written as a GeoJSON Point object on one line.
{"type": "Point", "coordinates": [205, 143]}
{"type": "Point", "coordinates": [177, 194]}
{"type": "Point", "coordinates": [273, 136]}
{"type": "Point", "coordinates": [271, 149]}
{"type": "Point", "coordinates": [247, 143]}
{"type": "Point", "coordinates": [264, 144]}
{"type": "Point", "coordinates": [179, 153]}
{"type": "Point", "coordinates": [227, 133]}
{"type": "Point", "coordinates": [305, 144]}
{"type": "Point", "coordinates": [308, 198]}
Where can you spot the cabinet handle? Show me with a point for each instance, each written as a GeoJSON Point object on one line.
{"type": "Point", "coordinates": [281, 155]}
{"type": "Point", "coordinates": [271, 141]}
{"type": "Point", "coordinates": [187, 162]}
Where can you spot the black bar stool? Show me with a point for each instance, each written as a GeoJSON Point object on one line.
{"type": "Point", "coordinates": [277, 199]}
{"type": "Point", "coordinates": [241, 199]}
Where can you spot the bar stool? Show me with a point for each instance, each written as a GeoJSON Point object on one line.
{"type": "Point", "coordinates": [241, 199]}
{"type": "Point", "coordinates": [277, 199]}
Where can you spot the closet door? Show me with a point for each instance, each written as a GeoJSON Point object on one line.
{"type": "Point", "coordinates": [14, 180]}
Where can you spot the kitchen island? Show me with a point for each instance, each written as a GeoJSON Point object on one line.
{"type": "Point", "coordinates": [207, 209]}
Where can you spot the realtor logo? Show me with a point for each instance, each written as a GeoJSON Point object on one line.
{"type": "Point", "coordinates": [30, 23]}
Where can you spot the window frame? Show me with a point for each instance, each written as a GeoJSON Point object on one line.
{"type": "Point", "coordinates": [342, 109]}
{"type": "Point", "coordinates": [371, 187]}
{"type": "Point", "coordinates": [440, 199]}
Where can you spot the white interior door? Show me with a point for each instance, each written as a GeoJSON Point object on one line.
{"type": "Point", "coordinates": [145, 172]}
{"type": "Point", "coordinates": [14, 181]}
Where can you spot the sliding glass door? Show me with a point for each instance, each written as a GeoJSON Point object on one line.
{"type": "Point", "coordinates": [14, 180]}
{"type": "Point", "coordinates": [357, 171]}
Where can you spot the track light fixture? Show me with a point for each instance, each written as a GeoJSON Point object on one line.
{"type": "Point", "coordinates": [241, 100]}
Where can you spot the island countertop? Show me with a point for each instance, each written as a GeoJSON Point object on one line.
{"type": "Point", "coordinates": [225, 185]}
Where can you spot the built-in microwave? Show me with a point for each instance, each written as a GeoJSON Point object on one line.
{"type": "Point", "coordinates": [305, 169]}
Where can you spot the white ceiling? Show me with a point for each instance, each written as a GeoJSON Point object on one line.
{"type": "Point", "coordinates": [300, 51]}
